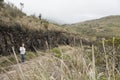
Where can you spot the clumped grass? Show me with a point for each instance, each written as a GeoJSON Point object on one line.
{"type": "Point", "coordinates": [7, 61]}
{"type": "Point", "coordinates": [10, 60]}
{"type": "Point", "coordinates": [30, 55]}
{"type": "Point", "coordinates": [77, 65]}
{"type": "Point", "coordinates": [56, 52]}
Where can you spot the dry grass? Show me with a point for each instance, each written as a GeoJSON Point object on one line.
{"type": "Point", "coordinates": [10, 15]}
{"type": "Point", "coordinates": [73, 64]}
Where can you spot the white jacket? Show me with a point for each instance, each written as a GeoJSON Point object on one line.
{"type": "Point", "coordinates": [22, 50]}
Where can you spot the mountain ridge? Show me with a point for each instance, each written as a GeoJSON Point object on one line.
{"type": "Point", "coordinates": [106, 26]}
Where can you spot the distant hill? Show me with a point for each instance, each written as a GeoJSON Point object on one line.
{"type": "Point", "coordinates": [106, 26]}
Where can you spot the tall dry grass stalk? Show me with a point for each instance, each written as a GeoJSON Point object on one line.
{"type": "Point", "coordinates": [106, 60]}
{"type": "Point", "coordinates": [93, 64]}
{"type": "Point", "coordinates": [19, 69]}
{"type": "Point", "coordinates": [87, 71]}
{"type": "Point", "coordinates": [61, 64]}
{"type": "Point", "coordinates": [47, 45]}
{"type": "Point", "coordinates": [73, 64]}
{"type": "Point", "coordinates": [113, 59]}
{"type": "Point", "coordinates": [74, 41]}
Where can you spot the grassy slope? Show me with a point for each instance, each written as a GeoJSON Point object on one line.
{"type": "Point", "coordinates": [63, 63]}
{"type": "Point", "coordinates": [75, 64]}
{"type": "Point", "coordinates": [11, 15]}
{"type": "Point", "coordinates": [106, 26]}
{"type": "Point", "coordinates": [16, 26]}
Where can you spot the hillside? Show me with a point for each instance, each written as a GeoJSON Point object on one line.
{"type": "Point", "coordinates": [16, 28]}
{"type": "Point", "coordinates": [79, 51]}
{"type": "Point", "coordinates": [106, 27]}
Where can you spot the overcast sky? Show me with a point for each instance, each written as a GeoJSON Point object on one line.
{"type": "Point", "coordinates": [70, 11]}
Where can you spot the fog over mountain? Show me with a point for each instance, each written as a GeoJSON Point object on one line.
{"type": "Point", "coordinates": [70, 11]}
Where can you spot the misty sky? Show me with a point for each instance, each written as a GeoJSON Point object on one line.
{"type": "Point", "coordinates": [70, 11]}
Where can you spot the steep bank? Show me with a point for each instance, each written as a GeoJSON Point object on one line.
{"type": "Point", "coordinates": [16, 28]}
{"type": "Point", "coordinates": [15, 34]}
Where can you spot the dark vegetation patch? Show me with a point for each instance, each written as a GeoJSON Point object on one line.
{"type": "Point", "coordinates": [34, 39]}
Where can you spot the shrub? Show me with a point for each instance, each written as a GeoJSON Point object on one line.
{"type": "Point", "coordinates": [30, 55]}
{"type": "Point", "coordinates": [56, 52]}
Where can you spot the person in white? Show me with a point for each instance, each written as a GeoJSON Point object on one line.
{"type": "Point", "coordinates": [22, 52]}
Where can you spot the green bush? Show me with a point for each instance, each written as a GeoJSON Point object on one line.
{"type": "Point", "coordinates": [30, 55]}
{"type": "Point", "coordinates": [56, 52]}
